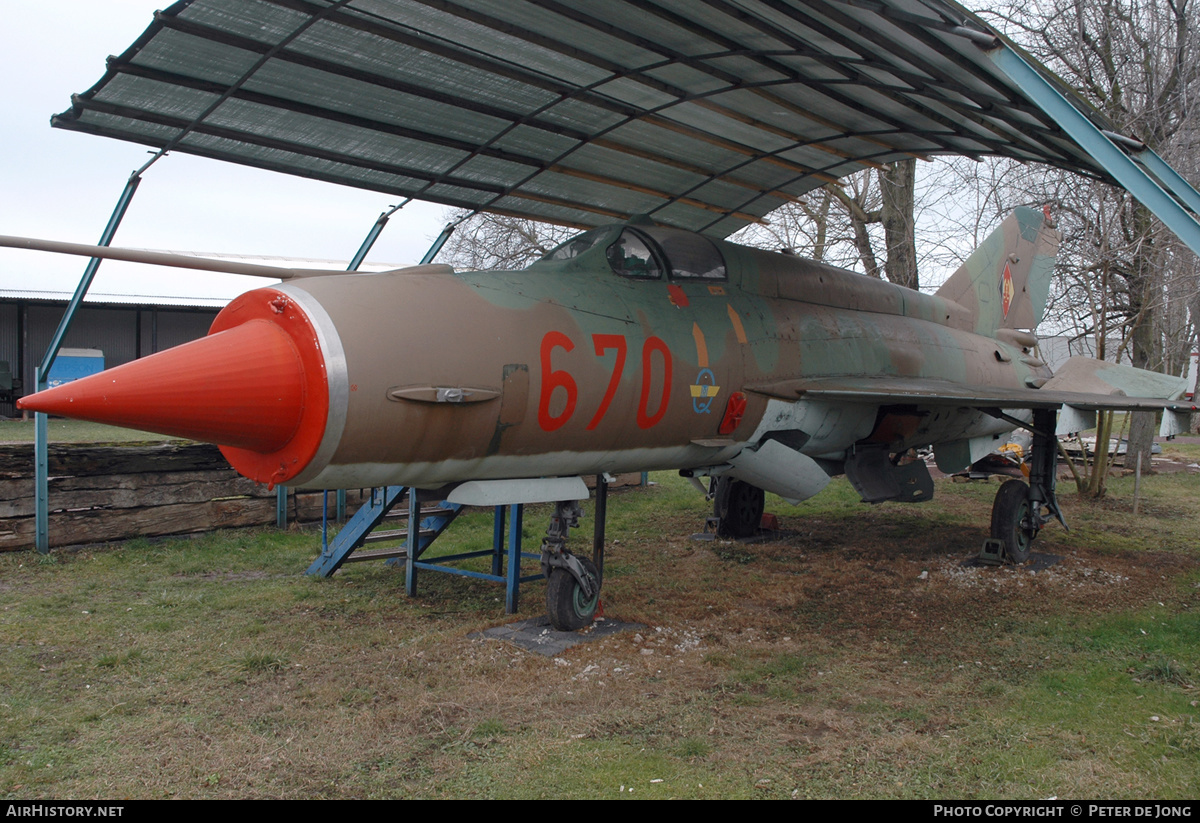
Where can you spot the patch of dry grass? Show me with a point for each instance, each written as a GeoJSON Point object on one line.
{"type": "Point", "coordinates": [855, 656]}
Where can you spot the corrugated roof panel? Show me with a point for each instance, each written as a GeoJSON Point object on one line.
{"type": "Point", "coordinates": [437, 74]}
{"type": "Point", "coordinates": [553, 212]}
{"type": "Point", "coordinates": [611, 161]}
{"type": "Point", "coordinates": [330, 135]}
{"type": "Point", "coordinates": [126, 128]}
{"type": "Point", "coordinates": [727, 196]}
{"type": "Point", "coordinates": [568, 31]}
{"type": "Point", "coordinates": [589, 112]}
{"type": "Point", "coordinates": [322, 90]}
{"type": "Point", "coordinates": [524, 106]}
{"type": "Point", "coordinates": [535, 142]}
{"type": "Point", "coordinates": [460, 24]}
{"type": "Point", "coordinates": [305, 165]}
{"type": "Point", "coordinates": [491, 171]}
{"type": "Point", "coordinates": [250, 18]}
{"type": "Point", "coordinates": [190, 56]}
{"type": "Point", "coordinates": [585, 193]}
{"type": "Point", "coordinates": [159, 99]}
{"type": "Point", "coordinates": [662, 137]}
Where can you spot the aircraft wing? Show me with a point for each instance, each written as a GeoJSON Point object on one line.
{"type": "Point", "coordinates": [884, 390]}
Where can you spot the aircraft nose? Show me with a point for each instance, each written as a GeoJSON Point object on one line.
{"type": "Point", "coordinates": [256, 386]}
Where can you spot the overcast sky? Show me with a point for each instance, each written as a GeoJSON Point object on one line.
{"type": "Point", "coordinates": [63, 185]}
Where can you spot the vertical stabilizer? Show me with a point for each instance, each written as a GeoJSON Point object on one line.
{"type": "Point", "coordinates": [1005, 282]}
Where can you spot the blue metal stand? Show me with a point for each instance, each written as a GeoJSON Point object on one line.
{"type": "Point", "coordinates": [430, 523]}
{"type": "Point", "coordinates": [512, 580]}
{"type": "Point", "coordinates": [354, 534]}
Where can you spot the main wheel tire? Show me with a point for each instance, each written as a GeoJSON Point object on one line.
{"type": "Point", "coordinates": [566, 605]}
{"type": "Point", "coordinates": [738, 507]}
{"type": "Point", "coordinates": [1012, 521]}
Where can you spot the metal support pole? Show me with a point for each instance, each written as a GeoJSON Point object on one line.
{"type": "Point", "coordinates": [281, 517]}
{"type": "Point", "coordinates": [601, 514]}
{"type": "Point", "coordinates": [325, 524]}
{"type": "Point", "coordinates": [438, 243]}
{"type": "Point", "coordinates": [414, 542]}
{"type": "Point", "coordinates": [41, 476]}
{"type": "Point", "coordinates": [1128, 173]}
{"type": "Point", "coordinates": [41, 491]}
{"type": "Point", "coordinates": [512, 589]}
{"type": "Point", "coordinates": [498, 540]}
{"type": "Point", "coordinates": [373, 235]}
{"type": "Point", "coordinates": [1170, 178]}
{"type": "Point", "coordinates": [443, 237]}
{"type": "Point", "coordinates": [341, 505]}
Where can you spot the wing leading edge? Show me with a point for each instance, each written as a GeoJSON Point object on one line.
{"type": "Point", "coordinates": [1082, 384]}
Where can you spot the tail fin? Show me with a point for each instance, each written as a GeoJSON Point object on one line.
{"type": "Point", "coordinates": [1005, 282]}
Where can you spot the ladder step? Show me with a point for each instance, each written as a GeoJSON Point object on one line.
{"type": "Point", "coordinates": [393, 534]}
{"type": "Point", "coordinates": [378, 554]}
{"type": "Point", "coordinates": [401, 513]}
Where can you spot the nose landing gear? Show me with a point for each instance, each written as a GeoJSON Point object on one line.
{"type": "Point", "coordinates": [573, 583]}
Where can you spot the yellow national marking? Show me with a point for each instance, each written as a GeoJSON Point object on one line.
{"type": "Point", "coordinates": [704, 391]}
{"type": "Point", "coordinates": [738, 329]}
{"type": "Point", "coordinates": [1009, 291]}
{"type": "Point", "coordinates": [701, 346]}
{"type": "Point", "coordinates": [716, 290]}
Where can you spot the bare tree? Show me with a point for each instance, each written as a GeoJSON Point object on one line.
{"type": "Point", "coordinates": [837, 224]}
{"type": "Point", "coordinates": [485, 242]}
{"type": "Point", "coordinates": [1138, 63]}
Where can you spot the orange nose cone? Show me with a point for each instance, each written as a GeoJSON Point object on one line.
{"type": "Point", "coordinates": [241, 387]}
{"type": "Point", "coordinates": [256, 388]}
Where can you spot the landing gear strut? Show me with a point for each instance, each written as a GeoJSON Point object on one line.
{"type": "Point", "coordinates": [1020, 511]}
{"type": "Point", "coordinates": [573, 583]}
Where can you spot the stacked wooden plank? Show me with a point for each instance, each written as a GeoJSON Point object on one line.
{"type": "Point", "coordinates": [109, 492]}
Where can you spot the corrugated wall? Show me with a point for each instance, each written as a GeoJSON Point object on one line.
{"type": "Point", "coordinates": [122, 333]}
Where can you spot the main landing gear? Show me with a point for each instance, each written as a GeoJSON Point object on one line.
{"type": "Point", "coordinates": [738, 507]}
{"type": "Point", "coordinates": [1020, 511]}
{"type": "Point", "coordinates": [1013, 523]}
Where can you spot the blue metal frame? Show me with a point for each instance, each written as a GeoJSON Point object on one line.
{"type": "Point", "coordinates": [1129, 173]}
{"type": "Point", "coordinates": [334, 552]}
{"type": "Point", "coordinates": [41, 459]}
{"type": "Point", "coordinates": [281, 499]}
{"type": "Point", "coordinates": [512, 579]}
{"type": "Point", "coordinates": [1169, 178]}
{"type": "Point", "coordinates": [443, 237]}
{"type": "Point", "coordinates": [421, 534]}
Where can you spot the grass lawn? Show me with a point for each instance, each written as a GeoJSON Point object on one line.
{"type": "Point", "coordinates": [854, 656]}
{"type": "Point", "coordinates": [61, 430]}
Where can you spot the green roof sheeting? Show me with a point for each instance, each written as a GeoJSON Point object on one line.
{"type": "Point", "coordinates": [704, 114]}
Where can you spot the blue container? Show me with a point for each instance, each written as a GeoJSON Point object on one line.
{"type": "Point", "coordinates": [72, 364]}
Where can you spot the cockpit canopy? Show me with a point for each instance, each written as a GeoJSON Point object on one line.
{"type": "Point", "coordinates": [645, 252]}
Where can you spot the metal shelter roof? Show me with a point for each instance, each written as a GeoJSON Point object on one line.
{"type": "Point", "coordinates": [704, 114]}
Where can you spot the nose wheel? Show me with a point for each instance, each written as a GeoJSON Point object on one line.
{"type": "Point", "coordinates": [568, 604]}
{"type": "Point", "coordinates": [573, 582]}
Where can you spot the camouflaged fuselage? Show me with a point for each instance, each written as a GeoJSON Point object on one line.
{"type": "Point", "coordinates": [568, 368]}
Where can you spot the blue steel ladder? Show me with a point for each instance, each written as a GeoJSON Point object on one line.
{"type": "Point", "coordinates": [363, 529]}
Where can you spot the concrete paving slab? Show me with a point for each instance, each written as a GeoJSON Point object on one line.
{"type": "Point", "coordinates": [536, 635]}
